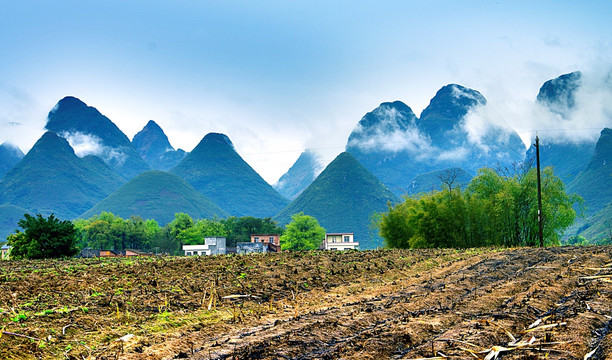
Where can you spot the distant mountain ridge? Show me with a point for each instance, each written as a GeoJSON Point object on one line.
{"type": "Point", "coordinates": [9, 156]}
{"type": "Point", "coordinates": [90, 132]}
{"type": "Point", "coordinates": [303, 172]}
{"type": "Point", "coordinates": [215, 169]}
{"type": "Point", "coordinates": [153, 146]}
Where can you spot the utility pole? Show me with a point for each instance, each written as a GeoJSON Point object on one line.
{"type": "Point", "coordinates": [540, 225]}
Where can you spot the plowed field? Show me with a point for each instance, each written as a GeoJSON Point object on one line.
{"type": "Point", "coordinates": [553, 303]}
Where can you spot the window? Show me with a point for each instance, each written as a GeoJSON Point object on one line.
{"type": "Point", "coordinates": [333, 239]}
{"type": "Point", "coordinates": [347, 238]}
{"type": "Point", "coordinates": [256, 238]}
{"type": "Point", "coordinates": [271, 239]}
{"type": "Point", "coordinates": [187, 253]}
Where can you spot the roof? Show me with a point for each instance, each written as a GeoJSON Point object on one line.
{"type": "Point", "coordinates": [264, 234]}
{"type": "Point", "coordinates": [336, 234]}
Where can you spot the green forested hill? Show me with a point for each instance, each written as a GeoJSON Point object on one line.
{"type": "Point", "coordinates": [52, 179]}
{"type": "Point", "coordinates": [343, 198]}
{"type": "Point", "coordinates": [216, 170]}
{"type": "Point", "coordinates": [157, 195]}
{"type": "Point", "coordinates": [594, 183]}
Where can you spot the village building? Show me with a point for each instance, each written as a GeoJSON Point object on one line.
{"type": "Point", "coordinates": [93, 253]}
{"type": "Point", "coordinates": [211, 246]}
{"type": "Point", "coordinates": [271, 241]}
{"type": "Point", "coordinates": [6, 250]}
{"type": "Point", "coordinates": [340, 241]}
{"type": "Point", "coordinates": [134, 252]}
{"type": "Point", "coordinates": [251, 247]}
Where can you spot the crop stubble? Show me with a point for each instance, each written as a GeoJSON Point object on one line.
{"type": "Point", "coordinates": [476, 303]}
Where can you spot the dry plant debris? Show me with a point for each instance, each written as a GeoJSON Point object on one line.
{"type": "Point", "coordinates": [553, 303]}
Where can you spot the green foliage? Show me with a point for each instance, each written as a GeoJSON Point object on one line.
{"type": "Point", "coordinates": [239, 229]}
{"type": "Point", "coordinates": [302, 233]}
{"type": "Point", "coordinates": [43, 238]}
{"type": "Point", "coordinates": [493, 210]}
{"type": "Point", "coordinates": [577, 240]}
{"type": "Point", "coordinates": [110, 232]}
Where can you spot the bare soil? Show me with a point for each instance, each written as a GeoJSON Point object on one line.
{"type": "Point", "coordinates": [553, 303]}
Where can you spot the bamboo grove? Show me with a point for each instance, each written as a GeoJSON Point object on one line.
{"type": "Point", "coordinates": [492, 210]}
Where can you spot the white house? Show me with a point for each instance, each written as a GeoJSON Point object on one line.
{"type": "Point", "coordinates": [211, 246]}
{"type": "Point", "coordinates": [5, 252]}
{"type": "Point", "coordinates": [340, 241]}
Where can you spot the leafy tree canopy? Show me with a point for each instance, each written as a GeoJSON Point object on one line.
{"type": "Point", "coordinates": [493, 210]}
{"type": "Point", "coordinates": [43, 238]}
{"type": "Point", "coordinates": [302, 233]}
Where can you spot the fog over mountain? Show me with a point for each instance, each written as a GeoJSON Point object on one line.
{"type": "Point", "coordinates": [396, 146]}
{"type": "Point", "coordinates": [91, 133]}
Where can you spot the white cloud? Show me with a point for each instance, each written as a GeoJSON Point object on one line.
{"type": "Point", "coordinates": [21, 117]}
{"type": "Point", "coordinates": [88, 144]}
{"type": "Point", "coordinates": [591, 113]}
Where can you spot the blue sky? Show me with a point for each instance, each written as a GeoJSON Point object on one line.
{"type": "Point", "coordinates": [279, 76]}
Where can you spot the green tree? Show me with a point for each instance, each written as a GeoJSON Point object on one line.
{"type": "Point", "coordinates": [109, 232]}
{"type": "Point", "coordinates": [43, 238]}
{"type": "Point", "coordinates": [302, 233]}
{"type": "Point", "coordinates": [241, 229]}
{"type": "Point", "coordinates": [493, 210]}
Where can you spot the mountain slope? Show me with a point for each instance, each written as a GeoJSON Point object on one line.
{"type": "Point", "coordinates": [597, 229]}
{"type": "Point", "coordinates": [343, 198]}
{"type": "Point", "coordinates": [216, 170]}
{"type": "Point", "coordinates": [434, 180]}
{"type": "Point", "coordinates": [157, 195]}
{"type": "Point", "coordinates": [300, 175]}
{"type": "Point", "coordinates": [52, 179]}
{"type": "Point", "coordinates": [567, 159]}
{"type": "Point", "coordinates": [9, 156]}
{"type": "Point", "coordinates": [594, 183]}
{"type": "Point", "coordinates": [153, 146]}
{"type": "Point", "coordinates": [9, 217]}
{"type": "Point", "coordinates": [91, 133]}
